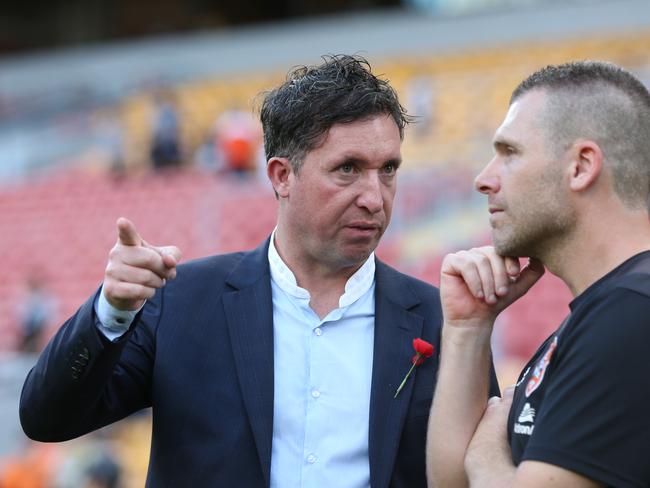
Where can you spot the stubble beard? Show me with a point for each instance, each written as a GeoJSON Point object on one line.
{"type": "Point", "coordinates": [537, 233]}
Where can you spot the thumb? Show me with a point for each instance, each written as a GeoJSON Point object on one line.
{"type": "Point", "coordinates": [531, 273]}
{"type": "Point", "coordinates": [504, 401]}
{"type": "Point", "coordinates": [127, 235]}
{"type": "Point", "coordinates": [508, 394]}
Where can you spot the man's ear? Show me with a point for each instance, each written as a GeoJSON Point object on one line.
{"type": "Point", "coordinates": [279, 171]}
{"type": "Point", "coordinates": [586, 164]}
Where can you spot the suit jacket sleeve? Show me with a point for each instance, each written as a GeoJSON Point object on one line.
{"type": "Point", "coordinates": [83, 381]}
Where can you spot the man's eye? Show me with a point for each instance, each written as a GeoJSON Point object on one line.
{"type": "Point", "coordinates": [346, 168]}
{"type": "Point", "coordinates": [389, 168]}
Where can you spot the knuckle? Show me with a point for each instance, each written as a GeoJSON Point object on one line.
{"type": "Point", "coordinates": [462, 258]}
{"type": "Point", "coordinates": [113, 253]}
{"type": "Point", "coordinates": [109, 288]}
{"type": "Point", "coordinates": [111, 268]}
{"type": "Point", "coordinates": [481, 259]}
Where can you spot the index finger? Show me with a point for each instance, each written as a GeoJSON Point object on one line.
{"type": "Point", "coordinates": [529, 275]}
{"type": "Point", "coordinates": [513, 267]}
{"type": "Point", "coordinates": [127, 233]}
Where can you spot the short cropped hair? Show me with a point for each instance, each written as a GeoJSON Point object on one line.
{"type": "Point", "coordinates": [603, 102]}
{"type": "Point", "coordinates": [297, 115]}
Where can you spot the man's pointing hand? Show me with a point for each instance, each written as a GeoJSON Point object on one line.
{"type": "Point", "coordinates": [136, 269]}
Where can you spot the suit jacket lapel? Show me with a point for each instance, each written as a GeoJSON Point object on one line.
{"type": "Point", "coordinates": [395, 329]}
{"type": "Point", "coordinates": [249, 312]}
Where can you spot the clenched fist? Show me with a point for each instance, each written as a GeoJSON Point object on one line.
{"type": "Point", "coordinates": [476, 285]}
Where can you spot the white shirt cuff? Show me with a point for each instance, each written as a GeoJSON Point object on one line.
{"type": "Point", "coordinates": [112, 322]}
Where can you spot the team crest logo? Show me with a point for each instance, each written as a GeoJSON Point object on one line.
{"type": "Point", "coordinates": [540, 369]}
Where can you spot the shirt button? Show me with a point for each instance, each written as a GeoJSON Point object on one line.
{"type": "Point", "coordinates": [315, 393]}
{"type": "Point", "coordinates": [318, 331]}
{"type": "Point", "coordinates": [311, 459]}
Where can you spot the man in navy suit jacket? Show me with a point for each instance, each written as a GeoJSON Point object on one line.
{"type": "Point", "coordinates": [241, 394]}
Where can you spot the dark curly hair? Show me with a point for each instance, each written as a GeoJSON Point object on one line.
{"type": "Point", "coordinates": [297, 114]}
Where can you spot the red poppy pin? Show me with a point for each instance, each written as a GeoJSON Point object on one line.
{"type": "Point", "coordinates": [423, 350]}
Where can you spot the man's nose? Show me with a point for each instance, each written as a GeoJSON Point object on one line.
{"type": "Point", "coordinates": [487, 181]}
{"type": "Point", "coordinates": [370, 196]}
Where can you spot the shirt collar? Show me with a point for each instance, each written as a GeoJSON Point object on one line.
{"type": "Point", "coordinates": [357, 285]}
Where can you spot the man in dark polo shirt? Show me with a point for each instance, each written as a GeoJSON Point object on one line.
{"type": "Point", "coordinates": [567, 188]}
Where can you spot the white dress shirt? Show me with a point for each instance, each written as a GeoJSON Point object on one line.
{"type": "Point", "coordinates": [322, 379]}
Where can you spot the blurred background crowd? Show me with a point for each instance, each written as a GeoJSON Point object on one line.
{"type": "Point", "coordinates": [147, 110]}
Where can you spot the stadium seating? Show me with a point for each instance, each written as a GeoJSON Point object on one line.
{"type": "Point", "coordinates": [63, 228]}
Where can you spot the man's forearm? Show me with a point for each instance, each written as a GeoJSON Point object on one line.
{"type": "Point", "coordinates": [499, 477]}
{"type": "Point", "coordinates": [459, 402]}
{"type": "Point", "coordinates": [488, 461]}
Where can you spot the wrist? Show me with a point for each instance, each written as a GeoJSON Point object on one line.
{"type": "Point", "coordinates": [492, 476]}
{"type": "Point", "coordinates": [112, 317]}
{"type": "Point", "coordinates": [471, 333]}
{"type": "Point", "coordinates": [488, 461]}
{"type": "Point", "coordinates": [488, 478]}
{"type": "Point", "coordinates": [126, 306]}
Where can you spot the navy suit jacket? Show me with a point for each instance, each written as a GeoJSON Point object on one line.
{"type": "Point", "coordinates": [201, 354]}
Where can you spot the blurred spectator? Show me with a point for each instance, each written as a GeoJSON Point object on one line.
{"type": "Point", "coordinates": [103, 472]}
{"type": "Point", "coordinates": [165, 137]}
{"type": "Point", "coordinates": [22, 473]}
{"type": "Point", "coordinates": [30, 469]}
{"type": "Point", "coordinates": [88, 462]}
{"type": "Point", "coordinates": [207, 155]}
{"type": "Point", "coordinates": [238, 136]}
{"type": "Point", "coordinates": [110, 140]}
{"type": "Point", "coordinates": [36, 310]}
{"type": "Point", "coordinates": [420, 102]}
